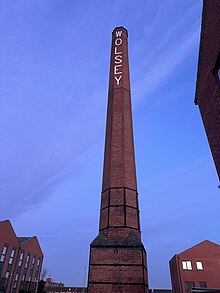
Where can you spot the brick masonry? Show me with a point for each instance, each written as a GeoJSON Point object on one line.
{"type": "Point", "coordinates": [206, 252]}
{"type": "Point", "coordinates": [22, 271]}
{"type": "Point", "coordinates": [208, 87]}
{"type": "Point", "coordinates": [117, 255]}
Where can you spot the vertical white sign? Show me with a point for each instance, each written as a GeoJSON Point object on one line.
{"type": "Point", "coordinates": [118, 58]}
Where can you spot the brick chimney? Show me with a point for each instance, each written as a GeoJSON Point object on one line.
{"type": "Point", "coordinates": [117, 255]}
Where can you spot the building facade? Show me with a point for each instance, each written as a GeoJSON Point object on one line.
{"type": "Point", "coordinates": [196, 267]}
{"type": "Point", "coordinates": [117, 256]}
{"type": "Point", "coordinates": [160, 291]}
{"type": "Point", "coordinates": [20, 261]}
{"type": "Point", "coordinates": [66, 289]}
{"type": "Point", "coordinates": [208, 77]}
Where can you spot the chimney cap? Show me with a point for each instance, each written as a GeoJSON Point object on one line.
{"type": "Point", "coordinates": [120, 27]}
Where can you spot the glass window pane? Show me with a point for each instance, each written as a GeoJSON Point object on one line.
{"type": "Point", "coordinates": [2, 258]}
{"type": "Point", "coordinates": [4, 250]}
{"type": "Point", "coordinates": [7, 275]}
{"type": "Point", "coordinates": [12, 252]}
{"type": "Point", "coordinates": [21, 256]}
{"type": "Point", "coordinates": [189, 285]}
{"type": "Point", "coordinates": [184, 265]}
{"type": "Point", "coordinates": [15, 285]}
{"type": "Point", "coordinates": [202, 284]}
{"type": "Point", "coordinates": [199, 265]}
{"type": "Point", "coordinates": [189, 265]}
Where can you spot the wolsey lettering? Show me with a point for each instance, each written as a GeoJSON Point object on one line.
{"type": "Point", "coordinates": [118, 58]}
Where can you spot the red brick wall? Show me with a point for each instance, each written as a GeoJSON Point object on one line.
{"type": "Point", "coordinates": [119, 202]}
{"type": "Point", "coordinates": [208, 89]}
{"type": "Point", "coordinates": [117, 256]}
{"type": "Point", "coordinates": [8, 237]}
{"type": "Point", "coordinates": [122, 266]}
{"type": "Point", "coordinates": [119, 162]}
{"type": "Point", "coordinates": [206, 252]}
{"type": "Point", "coordinates": [30, 247]}
{"type": "Point", "coordinates": [175, 275]}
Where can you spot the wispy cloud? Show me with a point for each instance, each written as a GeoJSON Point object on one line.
{"type": "Point", "coordinates": [51, 159]}
{"type": "Point", "coordinates": [162, 66]}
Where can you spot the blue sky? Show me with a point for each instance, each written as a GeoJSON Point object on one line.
{"type": "Point", "coordinates": [53, 97]}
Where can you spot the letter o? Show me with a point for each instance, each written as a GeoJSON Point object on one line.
{"type": "Point", "coordinates": [118, 42]}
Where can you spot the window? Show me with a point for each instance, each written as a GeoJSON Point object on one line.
{"type": "Point", "coordinates": [199, 266]}
{"type": "Point", "coordinates": [35, 283]}
{"type": "Point", "coordinates": [216, 69]}
{"type": "Point", "coordinates": [22, 281]}
{"type": "Point", "coordinates": [12, 256]}
{"type": "Point", "coordinates": [20, 259]}
{"type": "Point", "coordinates": [29, 283]}
{"type": "Point", "coordinates": [187, 265]}
{"type": "Point", "coordinates": [33, 261]}
{"type": "Point", "coordinates": [32, 264]}
{"type": "Point", "coordinates": [4, 251]}
{"type": "Point", "coordinates": [218, 74]}
{"type": "Point", "coordinates": [27, 261]}
{"type": "Point", "coordinates": [189, 285]}
{"type": "Point", "coordinates": [37, 268]}
{"type": "Point", "coordinates": [202, 284]}
{"type": "Point", "coordinates": [7, 275]}
{"type": "Point", "coordinates": [16, 281]}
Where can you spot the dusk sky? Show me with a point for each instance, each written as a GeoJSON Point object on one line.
{"type": "Point", "coordinates": [53, 99]}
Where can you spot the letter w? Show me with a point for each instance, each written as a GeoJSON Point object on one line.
{"type": "Point", "coordinates": [118, 34]}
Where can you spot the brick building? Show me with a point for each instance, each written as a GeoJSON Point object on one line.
{"type": "Point", "coordinates": [59, 287]}
{"type": "Point", "coordinates": [208, 76]}
{"type": "Point", "coordinates": [20, 261]}
{"type": "Point", "coordinates": [66, 289]}
{"type": "Point", "coordinates": [160, 291]}
{"type": "Point", "coordinates": [204, 290]}
{"type": "Point", "coordinates": [49, 283]}
{"type": "Point", "coordinates": [198, 266]}
{"type": "Point", "coordinates": [117, 256]}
